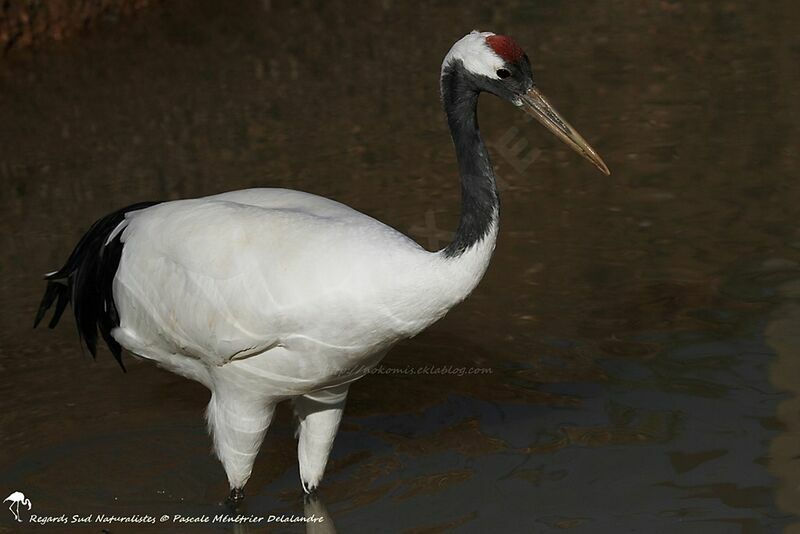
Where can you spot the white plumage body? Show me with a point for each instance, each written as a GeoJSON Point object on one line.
{"type": "Point", "coordinates": [237, 275]}
{"type": "Point", "coordinates": [268, 294]}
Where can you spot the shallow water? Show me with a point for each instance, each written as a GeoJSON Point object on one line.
{"type": "Point", "coordinates": [640, 330]}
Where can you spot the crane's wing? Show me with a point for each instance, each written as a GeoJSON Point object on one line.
{"type": "Point", "coordinates": [233, 275]}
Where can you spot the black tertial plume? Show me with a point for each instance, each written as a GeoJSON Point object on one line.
{"type": "Point", "coordinates": [86, 281]}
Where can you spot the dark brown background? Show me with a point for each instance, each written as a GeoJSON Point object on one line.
{"type": "Point", "coordinates": [640, 328]}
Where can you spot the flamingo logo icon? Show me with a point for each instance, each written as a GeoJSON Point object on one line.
{"type": "Point", "coordinates": [16, 499]}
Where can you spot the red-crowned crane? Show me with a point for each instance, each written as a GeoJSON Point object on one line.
{"type": "Point", "coordinates": [264, 295]}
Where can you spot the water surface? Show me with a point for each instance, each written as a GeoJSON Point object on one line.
{"type": "Point", "coordinates": [640, 330]}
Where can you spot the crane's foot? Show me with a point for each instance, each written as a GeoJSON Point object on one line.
{"type": "Point", "coordinates": [235, 498]}
{"type": "Point", "coordinates": [309, 489]}
{"type": "Point", "coordinates": [310, 496]}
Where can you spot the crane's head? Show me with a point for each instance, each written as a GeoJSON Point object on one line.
{"type": "Point", "coordinates": [498, 65]}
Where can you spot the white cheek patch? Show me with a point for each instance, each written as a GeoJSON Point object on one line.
{"type": "Point", "coordinates": [476, 55]}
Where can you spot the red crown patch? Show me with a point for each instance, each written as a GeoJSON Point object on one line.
{"type": "Point", "coordinates": [505, 47]}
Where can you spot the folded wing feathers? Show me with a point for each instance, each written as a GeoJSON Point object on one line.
{"type": "Point", "coordinates": [86, 281]}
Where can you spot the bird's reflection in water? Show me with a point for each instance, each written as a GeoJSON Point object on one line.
{"type": "Point", "coordinates": [314, 510]}
{"type": "Point", "coordinates": [318, 520]}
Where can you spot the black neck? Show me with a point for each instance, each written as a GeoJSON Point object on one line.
{"type": "Point", "coordinates": [479, 200]}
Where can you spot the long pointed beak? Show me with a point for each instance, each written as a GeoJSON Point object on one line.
{"type": "Point", "coordinates": [534, 103]}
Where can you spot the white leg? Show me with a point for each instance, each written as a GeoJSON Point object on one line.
{"type": "Point", "coordinates": [319, 414]}
{"type": "Point", "coordinates": [238, 423]}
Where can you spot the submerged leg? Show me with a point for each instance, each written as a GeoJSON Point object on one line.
{"type": "Point", "coordinates": [319, 414]}
{"type": "Point", "coordinates": [235, 497]}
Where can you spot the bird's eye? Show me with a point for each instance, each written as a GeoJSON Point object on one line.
{"type": "Point", "coordinates": [503, 73]}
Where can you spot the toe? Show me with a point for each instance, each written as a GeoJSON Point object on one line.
{"type": "Point", "coordinates": [236, 496]}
